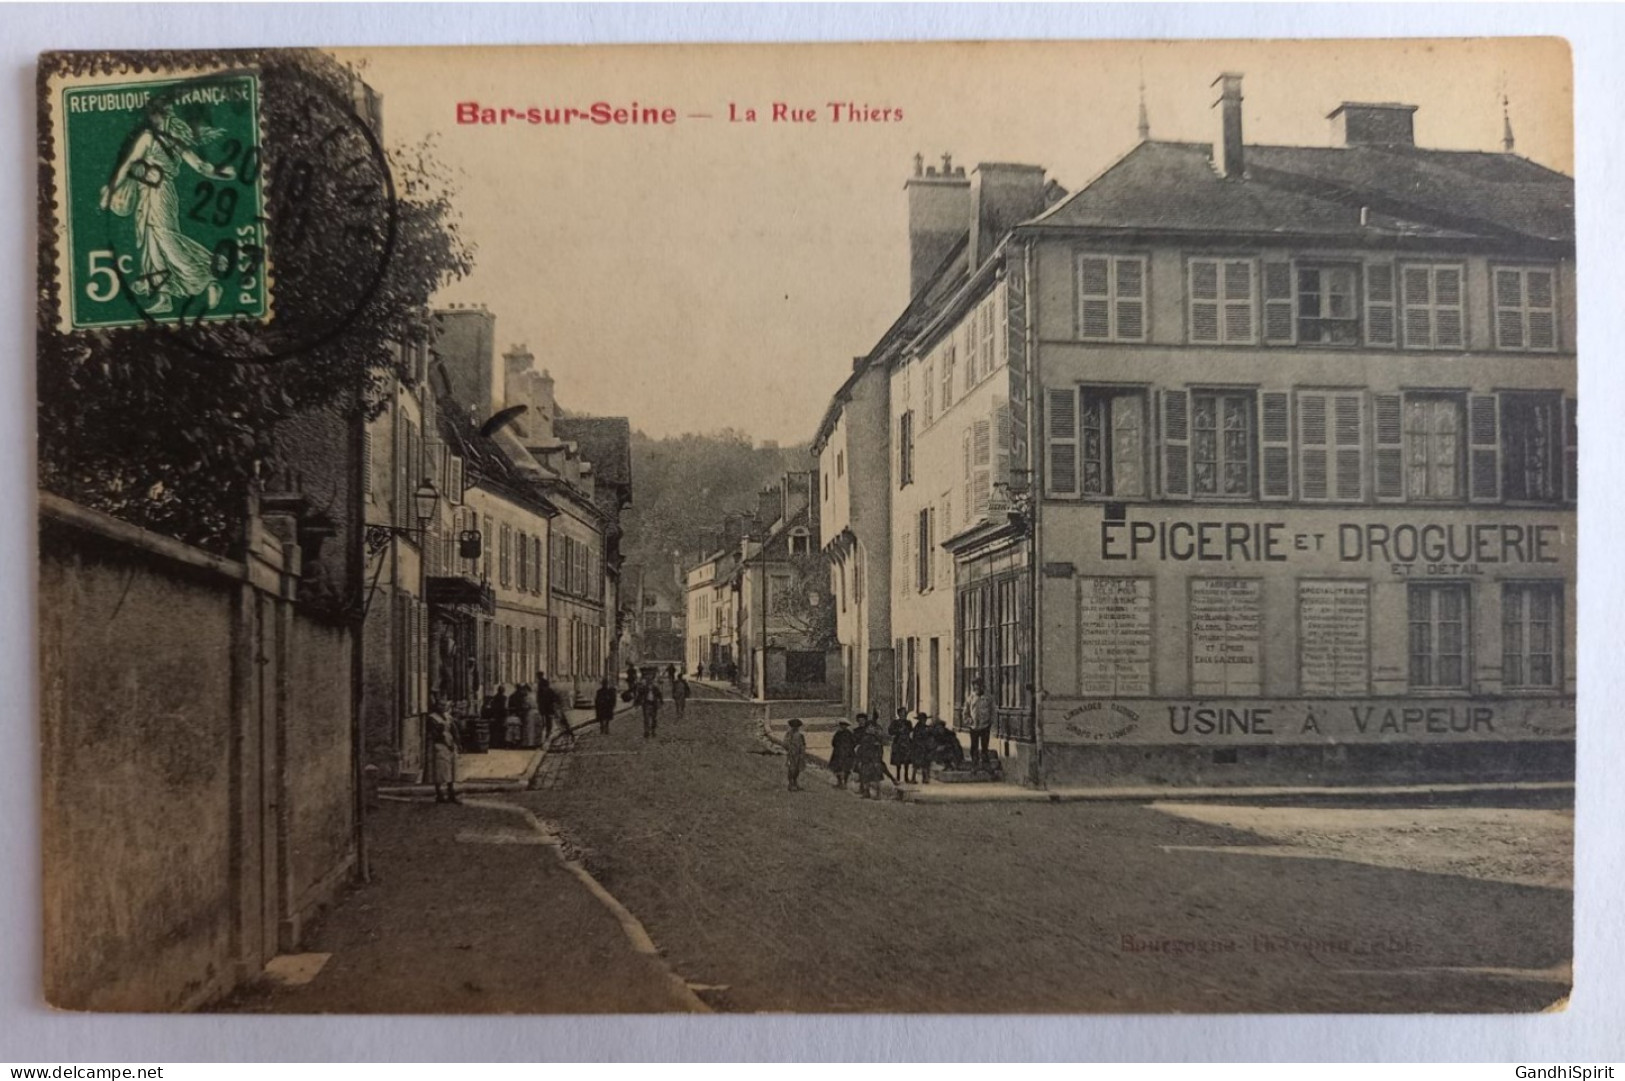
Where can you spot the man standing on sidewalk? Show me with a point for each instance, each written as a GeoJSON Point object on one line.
{"type": "Point", "coordinates": [979, 718]}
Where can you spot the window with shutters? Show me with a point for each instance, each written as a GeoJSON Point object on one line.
{"type": "Point", "coordinates": [1222, 295]}
{"type": "Point", "coordinates": [989, 346]}
{"type": "Point", "coordinates": [456, 480]}
{"type": "Point", "coordinates": [1435, 452]}
{"type": "Point", "coordinates": [923, 551]}
{"type": "Point", "coordinates": [486, 536]}
{"type": "Point", "coordinates": [366, 466]}
{"type": "Point", "coordinates": [1331, 446]}
{"type": "Point", "coordinates": [1438, 617]}
{"type": "Point", "coordinates": [1061, 441]}
{"type": "Point", "coordinates": [980, 472]}
{"type": "Point", "coordinates": [1525, 309]}
{"type": "Point", "coordinates": [973, 348]}
{"type": "Point", "coordinates": [1431, 296]}
{"type": "Point", "coordinates": [945, 528]}
{"type": "Point", "coordinates": [905, 449]}
{"type": "Point", "coordinates": [1531, 629]}
{"type": "Point", "coordinates": [505, 555]}
{"type": "Point", "coordinates": [950, 361]}
{"type": "Point", "coordinates": [1381, 327]}
{"type": "Point", "coordinates": [1275, 444]}
{"type": "Point", "coordinates": [1328, 306]}
{"type": "Point", "coordinates": [1222, 442]}
{"type": "Point", "coordinates": [1531, 447]}
{"type": "Point", "coordinates": [1111, 441]}
{"type": "Point", "coordinates": [1111, 298]}
{"type": "Point", "coordinates": [928, 389]}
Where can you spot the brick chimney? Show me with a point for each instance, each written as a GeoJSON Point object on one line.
{"type": "Point", "coordinates": [1002, 196]}
{"type": "Point", "coordinates": [1229, 156]}
{"type": "Point", "coordinates": [769, 506]}
{"type": "Point", "coordinates": [939, 205]}
{"type": "Point", "coordinates": [1365, 124]}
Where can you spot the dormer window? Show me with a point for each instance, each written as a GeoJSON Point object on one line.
{"type": "Point", "coordinates": [800, 543]}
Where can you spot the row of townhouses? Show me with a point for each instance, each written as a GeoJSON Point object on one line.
{"type": "Point", "coordinates": [493, 527]}
{"type": "Point", "coordinates": [758, 610]}
{"type": "Point", "coordinates": [1241, 461]}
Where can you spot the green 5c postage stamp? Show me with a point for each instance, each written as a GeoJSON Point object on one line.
{"type": "Point", "coordinates": [162, 202]}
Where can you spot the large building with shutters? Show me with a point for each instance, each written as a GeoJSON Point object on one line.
{"type": "Point", "coordinates": [1243, 463]}
{"type": "Point", "coordinates": [1305, 488]}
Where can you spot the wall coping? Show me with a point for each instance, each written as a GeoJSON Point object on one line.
{"type": "Point", "coordinates": [66, 512]}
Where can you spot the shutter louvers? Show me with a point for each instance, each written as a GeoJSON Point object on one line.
{"type": "Point", "coordinates": [1390, 446]}
{"type": "Point", "coordinates": [1379, 304]}
{"type": "Point", "coordinates": [1176, 444]}
{"type": "Point", "coordinates": [981, 465]}
{"type": "Point", "coordinates": [1541, 298]}
{"type": "Point", "coordinates": [1314, 450]}
{"type": "Point", "coordinates": [1571, 451]}
{"type": "Point", "coordinates": [1418, 315]}
{"type": "Point", "coordinates": [1094, 297]}
{"type": "Point", "coordinates": [1061, 431]}
{"type": "Point", "coordinates": [1508, 309]}
{"type": "Point", "coordinates": [1279, 326]}
{"type": "Point", "coordinates": [999, 470]}
{"type": "Point", "coordinates": [1204, 300]}
{"type": "Point", "coordinates": [1275, 445]}
{"type": "Point", "coordinates": [1130, 299]}
{"type": "Point", "coordinates": [1484, 442]}
{"type": "Point", "coordinates": [1238, 300]}
{"type": "Point", "coordinates": [366, 465]}
{"type": "Point", "coordinates": [1447, 321]}
{"type": "Point", "coordinates": [1348, 437]}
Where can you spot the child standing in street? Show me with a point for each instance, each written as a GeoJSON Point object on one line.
{"type": "Point", "coordinates": [795, 752]}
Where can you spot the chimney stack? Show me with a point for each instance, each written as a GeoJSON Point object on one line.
{"type": "Point", "coordinates": [1366, 124]}
{"type": "Point", "coordinates": [1230, 160]}
{"type": "Point", "coordinates": [939, 206]}
{"type": "Point", "coordinates": [1002, 197]}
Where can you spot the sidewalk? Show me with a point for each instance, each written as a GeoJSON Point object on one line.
{"type": "Point", "coordinates": [471, 909]}
{"type": "Point", "coordinates": [500, 770]}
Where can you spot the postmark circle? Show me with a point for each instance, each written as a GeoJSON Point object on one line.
{"type": "Point", "coordinates": [247, 248]}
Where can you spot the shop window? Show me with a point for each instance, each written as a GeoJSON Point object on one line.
{"type": "Point", "coordinates": [1525, 309]}
{"type": "Point", "coordinates": [1531, 626]}
{"type": "Point", "coordinates": [1111, 298]}
{"type": "Point", "coordinates": [1438, 636]}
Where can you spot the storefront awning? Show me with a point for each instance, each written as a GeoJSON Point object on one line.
{"type": "Point", "coordinates": [451, 591]}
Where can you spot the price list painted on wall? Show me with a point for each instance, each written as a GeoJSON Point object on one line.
{"type": "Point", "coordinates": [1334, 637]}
{"type": "Point", "coordinates": [1226, 625]}
{"type": "Point", "coordinates": [1114, 636]}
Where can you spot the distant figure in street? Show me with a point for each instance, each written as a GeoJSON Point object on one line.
{"type": "Point", "coordinates": [442, 733]}
{"type": "Point", "coordinates": [979, 719]}
{"type": "Point", "coordinates": [649, 698]}
{"type": "Point", "coordinates": [871, 756]}
{"type": "Point", "coordinates": [603, 705]}
{"type": "Point", "coordinates": [495, 711]}
{"type": "Point", "coordinates": [518, 706]}
{"type": "Point", "coordinates": [945, 749]}
{"type": "Point", "coordinates": [633, 680]}
{"type": "Point", "coordinates": [549, 705]}
{"type": "Point", "coordinates": [671, 673]}
{"type": "Point", "coordinates": [842, 753]}
{"type": "Point", "coordinates": [699, 670]}
{"type": "Point", "coordinates": [795, 754]}
{"type": "Point", "coordinates": [902, 753]}
{"type": "Point", "coordinates": [679, 694]}
{"type": "Point", "coordinates": [919, 745]}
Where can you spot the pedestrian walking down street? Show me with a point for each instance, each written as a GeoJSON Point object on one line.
{"type": "Point", "coordinates": [603, 705]}
{"type": "Point", "coordinates": [795, 754]}
{"type": "Point", "coordinates": [523, 707]}
{"type": "Point", "coordinates": [649, 698]}
{"type": "Point", "coordinates": [842, 753]}
{"type": "Point", "coordinates": [495, 712]}
{"type": "Point", "coordinates": [920, 747]}
{"type": "Point", "coordinates": [979, 719]}
{"type": "Point", "coordinates": [679, 694]}
{"type": "Point", "coordinates": [902, 754]}
{"type": "Point", "coordinates": [442, 733]}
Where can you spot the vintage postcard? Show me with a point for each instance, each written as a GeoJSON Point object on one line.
{"type": "Point", "coordinates": [958, 528]}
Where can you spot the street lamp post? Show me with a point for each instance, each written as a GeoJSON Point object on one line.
{"type": "Point", "coordinates": [425, 501]}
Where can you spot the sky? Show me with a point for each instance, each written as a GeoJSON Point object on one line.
{"type": "Point", "coordinates": [712, 274]}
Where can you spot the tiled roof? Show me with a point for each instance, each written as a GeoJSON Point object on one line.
{"type": "Point", "coordinates": [1308, 191]}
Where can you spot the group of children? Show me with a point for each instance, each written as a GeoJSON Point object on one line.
{"type": "Point", "coordinates": [915, 748]}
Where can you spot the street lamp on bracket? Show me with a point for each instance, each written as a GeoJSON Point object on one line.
{"type": "Point", "coordinates": [425, 501]}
